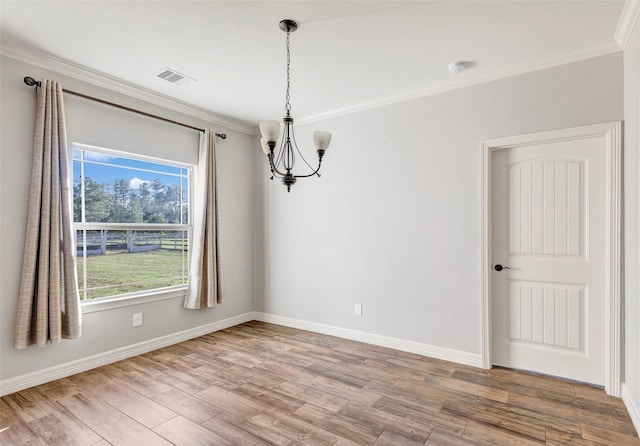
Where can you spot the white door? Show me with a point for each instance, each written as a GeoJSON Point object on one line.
{"type": "Point", "coordinates": [549, 217]}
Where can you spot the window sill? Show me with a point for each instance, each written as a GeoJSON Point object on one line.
{"type": "Point", "coordinates": [93, 306]}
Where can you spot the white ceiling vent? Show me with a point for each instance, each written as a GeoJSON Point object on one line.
{"type": "Point", "coordinates": [174, 77]}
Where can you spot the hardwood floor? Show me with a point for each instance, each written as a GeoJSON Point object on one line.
{"type": "Point", "coordinates": [261, 384]}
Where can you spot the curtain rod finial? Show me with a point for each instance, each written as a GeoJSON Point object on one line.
{"type": "Point", "coordinates": [31, 81]}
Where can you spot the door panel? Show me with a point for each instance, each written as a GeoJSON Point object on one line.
{"type": "Point", "coordinates": [546, 207]}
{"type": "Point", "coordinates": [548, 226]}
{"type": "Point", "coordinates": [548, 314]}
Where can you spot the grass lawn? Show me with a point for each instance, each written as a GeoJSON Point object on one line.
{"type": "Point", "coordinates": [122, 272]}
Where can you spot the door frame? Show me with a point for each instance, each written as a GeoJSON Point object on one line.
{"type": "Point", "coordinates": [612, 132]}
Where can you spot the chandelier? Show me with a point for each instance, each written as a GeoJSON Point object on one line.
{"type": "Point", "coordinates": [283, 160]}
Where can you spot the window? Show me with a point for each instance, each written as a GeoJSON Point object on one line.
{"type": "Point", "coordinates": [132, 222]}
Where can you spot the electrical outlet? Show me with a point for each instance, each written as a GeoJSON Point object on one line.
{"type": "Point", "coordinates": [358, 309]}
{"type": "Point", "coordinates": [137, 319]}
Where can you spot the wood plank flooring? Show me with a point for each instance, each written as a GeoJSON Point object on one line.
{"type": "Point", "coordinates": [262, 384]}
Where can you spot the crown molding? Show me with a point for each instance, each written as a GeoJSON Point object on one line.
{"type": "Point", "coordinates": [473, 77]}
{"type": "Point", "coordinates": [628, 19]}
{"type": "Point", "coordinates": [468, 78]}
{"type": "Point", "coordinates": [82, 73]}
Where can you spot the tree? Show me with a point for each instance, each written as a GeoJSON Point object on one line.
{"type": "Point", "coordinates": [118, 212]}
{"type": "Point", "coordinates": [96, 199]}
{"type": "Point", "coordinates": [152, 202]}
{"type": "Point", "coordinates": [146, 201]}
{"type": "Point", "coordinates": [172, 204]}
{"type": "Point", "coordinates": [135, 213]}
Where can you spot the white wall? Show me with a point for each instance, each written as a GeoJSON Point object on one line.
{"type": "Point", "coordinates": [394, 222]}
{"type": "Point", "coordinates": [631, 391]}
{"type": "Point", "coordinates": [108, 330]}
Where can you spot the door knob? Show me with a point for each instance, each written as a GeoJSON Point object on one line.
{"type": "Point", "coordinates": [499, 267]}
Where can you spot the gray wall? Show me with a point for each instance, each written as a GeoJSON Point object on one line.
{"type": "Point", "coordinates": [105, 126]}
{"type": "Point", "coordinates": [394, 222]}
{"type": "Point", "coordinates": [632, 217]}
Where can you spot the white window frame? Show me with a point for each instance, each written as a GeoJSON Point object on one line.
{"type": "Point", "coordinates": [138, 297]}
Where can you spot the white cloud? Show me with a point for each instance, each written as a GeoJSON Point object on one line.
{"type": "Point", "coordinates": [135, 183]}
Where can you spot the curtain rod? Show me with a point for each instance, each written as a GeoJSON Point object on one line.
{"type": "Point", "coordinates": [32, 82]}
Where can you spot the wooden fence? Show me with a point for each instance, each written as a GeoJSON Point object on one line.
{"type": "Point", "coordinates": [99, 242]}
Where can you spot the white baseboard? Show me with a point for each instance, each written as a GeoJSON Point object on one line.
{"type": "Point", "coordinates": [446, 354]}
{"type": "Point", "coordinates": [22, 382]}
{"type": "Point", "coordinates": [632, 407]}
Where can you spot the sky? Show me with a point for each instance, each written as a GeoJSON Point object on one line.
{"type": "Point", "coordinates": [105, 168]}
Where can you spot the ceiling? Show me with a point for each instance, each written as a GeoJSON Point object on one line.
{"type": "Point", "coordinates": [345, 54]}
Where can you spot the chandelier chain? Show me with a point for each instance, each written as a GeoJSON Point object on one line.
{"type": "Point", "coordinates": [287, 106]}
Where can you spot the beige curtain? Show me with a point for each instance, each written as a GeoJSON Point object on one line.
{"type": "Point", "coordinates": [203, 289]}
{"type": "Point", "coordinates": [49, 302]}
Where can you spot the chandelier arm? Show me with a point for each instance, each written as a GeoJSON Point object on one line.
{"type": "Point", "coordinates": [277, 159]}
{"type": "Point", "coordinates": [290, 157]}
{"type": "Point", "coordinates": [315, 172]}
{"type": "Point", "coordinates": [299, 152]}
{"type": "Point", "coordinates": [274, 168]}
{"type": "Point", "coordinates": [270, 168]}
{"type": "Point", "coordinates": [273, 172]}
{"type": "Point", "coordinates": [277, 162]}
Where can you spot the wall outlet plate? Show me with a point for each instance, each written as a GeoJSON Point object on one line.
{"type": "Point", "coordinates": [137, 319]}
{"type": "Point", "coordinates": [358, 309]}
